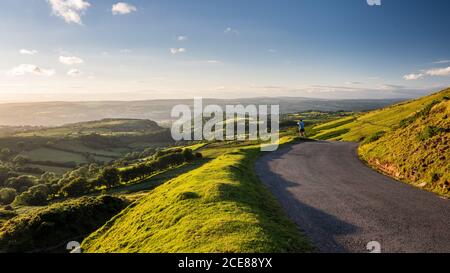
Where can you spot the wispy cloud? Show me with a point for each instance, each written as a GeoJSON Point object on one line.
{"type": "Point", "coordinates": [123, 8]}
{"type": "Point", "coordinates": [30, 69]}
{"type": "Point", "coordinates": [230, 30]}
{"type": "Point", "coordinates": [28, 52]}
{"type": "Point", "coordinates": [69, 10]}
{"type": "Point", "coordinates": [70, 60]}
{"type": "Point", "coordinates": [442, 72]}
{"type": "Point", "coordinates": [182, 38]}
{"type": "Point", "coordinates": [178, 50]}
{"type": "Point", "coordinates": [74, 73]}
{"type": "Point", "coordinates": [439, 72]}
{"type": "Point", "coordinates": [442, 62]}
{"type": "Point", "coordinates": [413, 77]}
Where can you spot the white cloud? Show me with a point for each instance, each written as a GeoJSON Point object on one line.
{"type": "Point", "coordinates": [69, 10]}
{"type": "Point", "coordinates": [439, 72]}
{"type": "Point", "coordinates": [413, 77]}
{"type": "Point", "coordinates": [28, 52]}
{"type": "Point", "coordinates": [70, 60]}
{"type": "Point", "coordinates": [213, 61]}
{"type": "Point", "coordinates": [74, 73]}
{"type": "Point", "coordinates": [123, 8]}
{"type": "Point", "coordinates": [182, 38]}
{"type": "Point", "coordinates": [230, 30]}
{"type": "Point", "coordinates": [177, 50]}
{"type": "Point", "coordinates": [272, 50]}
{"type": "Point", "coordinates": [32, 69]}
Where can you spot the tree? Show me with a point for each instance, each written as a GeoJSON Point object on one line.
{"type": "Point", "coordinates": [34, 196]}
{"type": "Point", "coordinates": [20, 160]}
{"type": "Point", "coordinates": [21, 183]}
{"type": "Point", "coordinates": [48, 178]}
{"type": "Point", "coordinates": [5, 153]}
{"type": "Point", "coordinates": [7, 196]}
{"type": "Point", "coordinates": [4, 174]}
{"type": "Point", "coordinates": [110, 177]}
{"type": "Point", "coordinates": [188, 155]}
{"type": "Point", "coordinates": [76, 187]}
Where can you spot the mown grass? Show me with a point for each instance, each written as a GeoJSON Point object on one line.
{"type": "Point", "coordinates": [219, 207]}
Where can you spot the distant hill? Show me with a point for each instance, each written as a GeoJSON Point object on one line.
{"type": "Point", "coordinates": [105, 127]}
{"type": "Point", "coordinates": [59, 113]}
{"type": "Point", "coordinates": [58, 149]}
{"type": "Point", "coordinates": [409, 141]}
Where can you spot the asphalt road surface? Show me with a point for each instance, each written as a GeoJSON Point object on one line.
{"type": "Point", "coordinates": [342, 204]}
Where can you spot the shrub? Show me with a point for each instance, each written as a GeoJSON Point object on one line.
{"type": "Point", "coordinates": [21, 183]}
{"type": "Point", "coordinates": [429, 132]}
{"type": "Point", "coordinates": [376, 136]}
{"type": "Point", "coordinates": [76, 187]}
{"type": "Point", "coordinates": [7, 196]}
{"type": "Point", "coordinates": [57, 224]}
{"type": "Point", "coordinates": [34, 196]}
{"type": "Point", "coordinates": [423, 113]}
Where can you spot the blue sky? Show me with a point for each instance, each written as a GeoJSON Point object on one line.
{"type": "Point", "coordinates": [147, 49]}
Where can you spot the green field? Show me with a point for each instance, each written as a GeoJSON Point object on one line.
{"type": "Point", "coordinates": [54, 156]}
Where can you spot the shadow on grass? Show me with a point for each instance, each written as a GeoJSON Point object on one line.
{"type": "Point", "coordinates": [154, 181]}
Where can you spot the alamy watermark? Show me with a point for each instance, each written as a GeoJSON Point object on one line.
{"type": "Point", "coordinates": [235, 122]}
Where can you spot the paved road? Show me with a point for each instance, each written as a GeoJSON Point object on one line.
{"type": "Point", "coordinates": [341, 204]}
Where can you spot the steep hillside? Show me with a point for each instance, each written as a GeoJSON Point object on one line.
{"type": "Point", "coordinates": [368, 124]}
{"type": "Point", "coordinates": [229, 211]}
{"type": "Point", "coordinates": [408, 141]}
{"type": "Point", "coordinates": [418, 151]}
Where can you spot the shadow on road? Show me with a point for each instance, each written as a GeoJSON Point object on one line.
{"type": "Point", "coordinates": [310, 219]}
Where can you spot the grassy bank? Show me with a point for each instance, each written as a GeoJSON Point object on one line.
{"type": "Point", "coordinates": [408, 141]}
{"type": "Point", "coordinates": [219, 207]}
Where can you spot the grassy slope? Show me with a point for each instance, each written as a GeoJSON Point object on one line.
{"type": "Point", "coordinates": [416, 153]}
{"type": "Point", "coordinates": [385, 119]}
{"type": "Point", "coordinates": [219, 207]}
{"type": "Point", "coordinates": [412, 153]}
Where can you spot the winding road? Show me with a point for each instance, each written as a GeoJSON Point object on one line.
{"type": "Point", "coordinates": [342, 204]}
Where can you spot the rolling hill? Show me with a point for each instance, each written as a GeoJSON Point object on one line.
{"type": "Point", "coordinates": [105, 127]}
{"type": "Point", "coordinates": [58, 149]}
{"type": "Point", "coordinates": [408, 141]}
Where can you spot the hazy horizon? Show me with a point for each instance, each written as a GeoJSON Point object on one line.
{"type": "Point", "coordinates": [84, 50]}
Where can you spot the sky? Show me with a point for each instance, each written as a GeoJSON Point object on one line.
{"type": "Point", "coordinates": [78, 50]}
